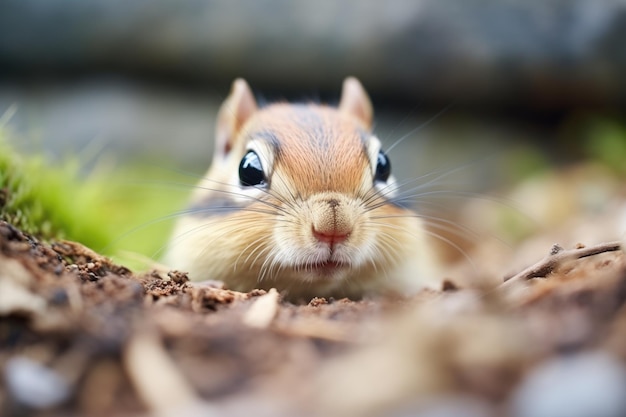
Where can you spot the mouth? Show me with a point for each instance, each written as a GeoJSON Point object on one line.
{"type": "Point", "coordinates": [323, 268]}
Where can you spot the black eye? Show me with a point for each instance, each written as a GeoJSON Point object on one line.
{"type": "Point", "coordinates": [383, 168]}
{"type": "Point", "coordinates": [251, 170]}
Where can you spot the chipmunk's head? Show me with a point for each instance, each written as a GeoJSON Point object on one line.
{"type": "Point", "coordinates": [316, 148]}
{"type": "Point", "coordinates": [305, 194]}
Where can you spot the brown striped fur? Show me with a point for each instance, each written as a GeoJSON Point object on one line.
{"type": "Point", "coordinates": [320, 171]}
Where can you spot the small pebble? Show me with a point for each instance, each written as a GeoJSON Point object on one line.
{"type": "Point", "coordinates": [35, 385]}
{"type": "Point", "coordinates": [59, 297]}
{"type": "Point", "coordinates": [591, 384]}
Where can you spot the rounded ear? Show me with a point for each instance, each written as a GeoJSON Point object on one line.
{"type": "Point", "coordinates": [355, 101]}
{"type": "Point", "coordinates": [234, 112]}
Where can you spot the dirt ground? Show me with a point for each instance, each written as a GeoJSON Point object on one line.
{"type": "Point", "coordinates": [80, 335]}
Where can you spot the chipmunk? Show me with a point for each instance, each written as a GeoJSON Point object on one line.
{"type": "Point", "coordinates": [300, 197]}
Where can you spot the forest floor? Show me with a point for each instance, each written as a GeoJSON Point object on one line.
{"type": "Point", "coordinates": [80, 335]}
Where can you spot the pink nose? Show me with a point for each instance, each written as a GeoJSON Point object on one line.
{"type": "Point", "coordinates": [331, 237]}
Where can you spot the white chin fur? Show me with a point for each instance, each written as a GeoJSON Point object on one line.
{"type": "Point", "coordinates": [293, 259]}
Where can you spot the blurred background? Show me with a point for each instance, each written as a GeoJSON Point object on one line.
{"type": "Point", "coordinates": [488, 92]}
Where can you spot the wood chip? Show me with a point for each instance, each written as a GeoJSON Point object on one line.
{"type": "Point", "coordinates": [15, 298]}
{"type": "Point", "coordinates": [156, 377]}
{"type": "Point", "coordinates": [320, 329]}
{"type": "Point", "coordinates": [262, 312]}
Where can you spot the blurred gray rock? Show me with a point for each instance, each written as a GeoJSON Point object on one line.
{"type": "Point", "coordinates": [131, 120]}
{"type": "Point", "coordinates": [34, 384]}
{"type": "Point", "coordinates": [580, 385]}
{"type": "Point", "coordinates": [546, 53]}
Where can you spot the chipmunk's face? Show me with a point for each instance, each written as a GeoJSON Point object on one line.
{"type": "Point", "coordinates": [300, 196]}
{"type": "Point", "coordinates": [325, 180]}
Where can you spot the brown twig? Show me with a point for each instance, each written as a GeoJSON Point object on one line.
{"type": "Point", "coordinates": [557, 256]}
{"type": "Point", "coordinates": [158, 381]}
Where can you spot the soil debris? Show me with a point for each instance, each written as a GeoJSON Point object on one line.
{"type": "Point", "coordinates": [80, 335]}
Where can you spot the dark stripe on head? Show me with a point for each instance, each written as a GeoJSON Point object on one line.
{"type": "Point", "coordinates": [365, 137]}
{"type": "Point", "coordinates": [268, 137]}
{"type": "Point", "coordinates": [313, 124]}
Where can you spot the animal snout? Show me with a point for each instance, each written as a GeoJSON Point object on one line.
{"type": "Point", "coordinates": [331, 237]}
{"type": "Point", "coordinates": [332, 222]}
